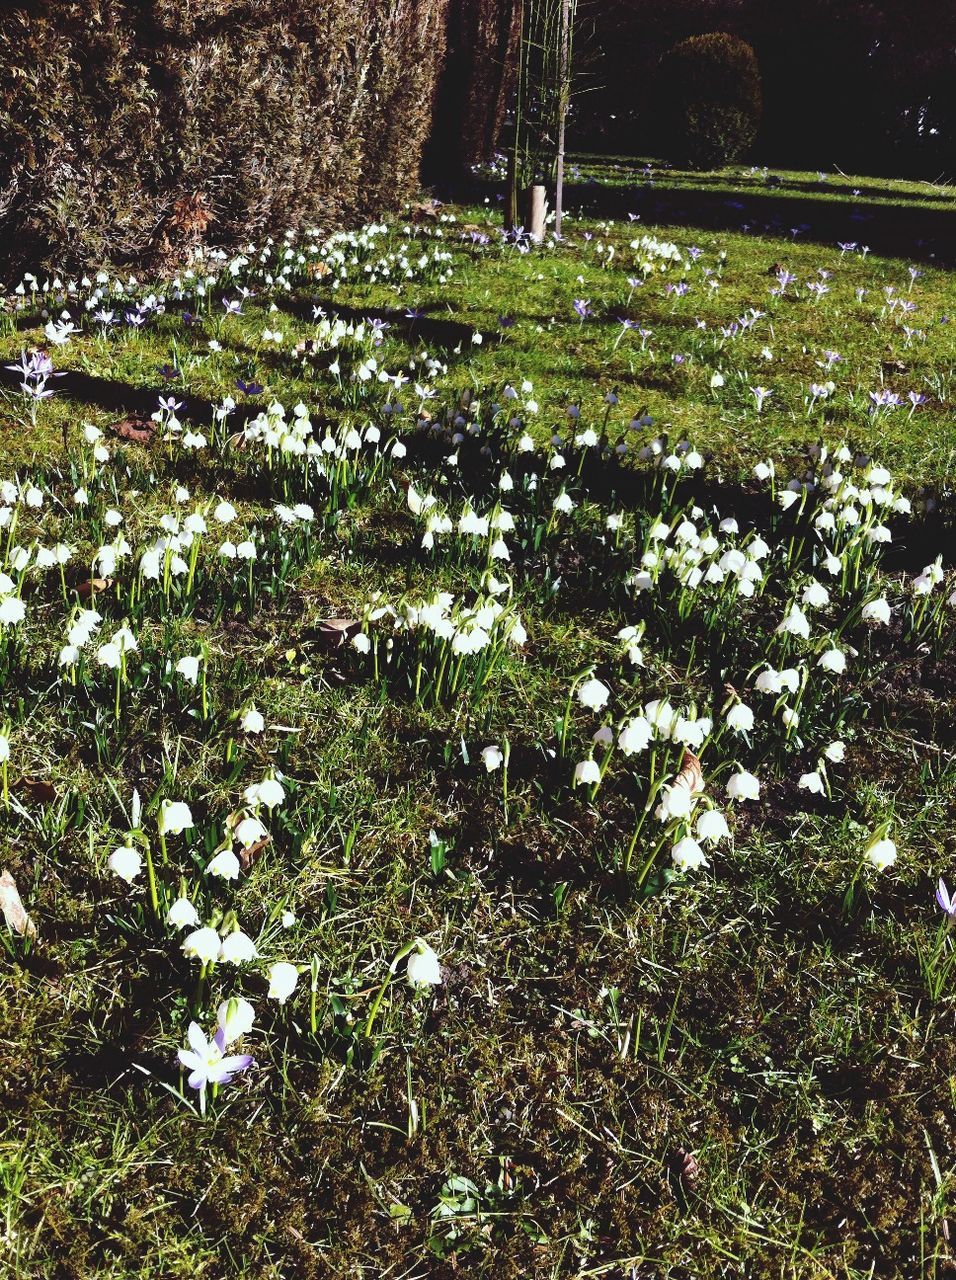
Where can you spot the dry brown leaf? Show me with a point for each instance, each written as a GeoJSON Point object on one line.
{"type": "Point", "coordinates": [691, 774]}
{"type": "Point", "coordinates": [138, 430]}
{"type": "Point", "coordinates": [36, 789]}
{"type": "Point", "coordinates": [252, 853]}
{"type": "Point", "coordinates": [14, 912]}
{"type": "Point", "coordinates": [89, 586]}
{"type": "Point", "coordinates": [684, 1165]}
{"type": "Point", "coordinates": [335, 631]}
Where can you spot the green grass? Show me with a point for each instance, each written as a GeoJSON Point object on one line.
{"type": "Point", "coordinates": [525, 1119]}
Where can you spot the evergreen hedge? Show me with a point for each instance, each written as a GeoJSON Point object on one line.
{"type": "Point", "coordinates": [129, 128]}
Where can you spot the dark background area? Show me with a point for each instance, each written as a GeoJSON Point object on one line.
{"type": "Point", "coordinates": [866, 85]}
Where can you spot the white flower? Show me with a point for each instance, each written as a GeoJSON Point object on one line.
{"type": "Point", "coordinates": [876, 611]}
{"type": "Point", "coordinates": [203, 944]}
{"type": "Point", "coordinates": [836, 752]}
{"type": "Point", "coordinates": [238, 948]}
{"type": "Point", "coordinates": [815, 596]}
{"type": "Point", "coordinates": [687, 855]}
{"type": "Point", "coordinates": [740, 718]}
{"type": "Point", "coordinates": [768, 681]}
{"type": "Point", "coordinates": [593, 694]}
{"type": "Point", "coordinates": [635, 736]}
{"type": "Point", "coordinates": [188, 668]}
{"type": "Point", "coordinates": [252, 721]}
{"type": "Point", "coordinates": [812, 782]}
{"type": "Point", "coordinates": [587, 771]}
{"type": "Point", "coordinates": [249, 831]}
{"type": "Point", "coordinates": [743, 786]}
{"type": "Point", "coordinates": [225, 865]}
{"type": "Point", "coordinates": [126, 863]}
{"type": "Point", "coordinates": [288, 919]}
{"type": "Point", "coordinates": [174, 818]}
{"type": "Point", "coordinates": [269, 792]}
{"type": "Point", "coordinates": [881, 854]}
{"type": "Point", "coordinates": [712, 826]}
{"type": "Point", "coordinates": [833, 660]}
{"type": "Point", "coordinates": [12, 611]}
{"type": "Point", "coordinates": [224, 513]}
{"type": "Point", "coordinates": [183, 915]}
{"type": "Point", "coordinates": [4, 748]}
{"type": "Point", "coordinates": [424, 969]}
{"type": "Point", "coordinates": [235, 1017]}
{"type": "Point", "coordinates": [492, 758]}
{"type": "Point", "coordinates": [795, 623]}
{"type": "Point", "coordinates": [282, 980]}
{"type": "Point", "coordinates": [676, 802]}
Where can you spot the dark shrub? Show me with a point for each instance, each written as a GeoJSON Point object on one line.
{"type": "Point", "coordinates": [130, 127]}
{"type": "Point", "coordinates": [710, 100]}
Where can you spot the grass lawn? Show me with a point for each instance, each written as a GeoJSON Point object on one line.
{"type": "Point", "coordinates": [601, 886]}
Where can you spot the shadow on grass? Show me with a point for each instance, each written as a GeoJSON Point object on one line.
{"type": "Point", "coordinates": [894, 231]}
{"type": "Point", "coordinates": [415, 325]}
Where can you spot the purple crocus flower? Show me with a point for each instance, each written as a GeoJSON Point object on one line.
{"type": "Point", "coordinates": [760, 395]}
{"type": "Point", "coordinates": [207, 1062]}
{"type": "Point", "coordinates": [583, 307]}
{"type": "Point", "coordinates": [413, 313]}
{"type": "Point", "coordinates": [233, 306]}
{"type": "Point", "coordinates": [248, 388]}
{"type": "Point", "coordinates": [946, 902]}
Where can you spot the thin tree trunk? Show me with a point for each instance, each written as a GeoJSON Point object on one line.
{"type": "Point", "coordinates": [564, 73]}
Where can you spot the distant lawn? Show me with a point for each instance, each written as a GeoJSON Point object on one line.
{"type": "Point", "coordinates": [818, 185]}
